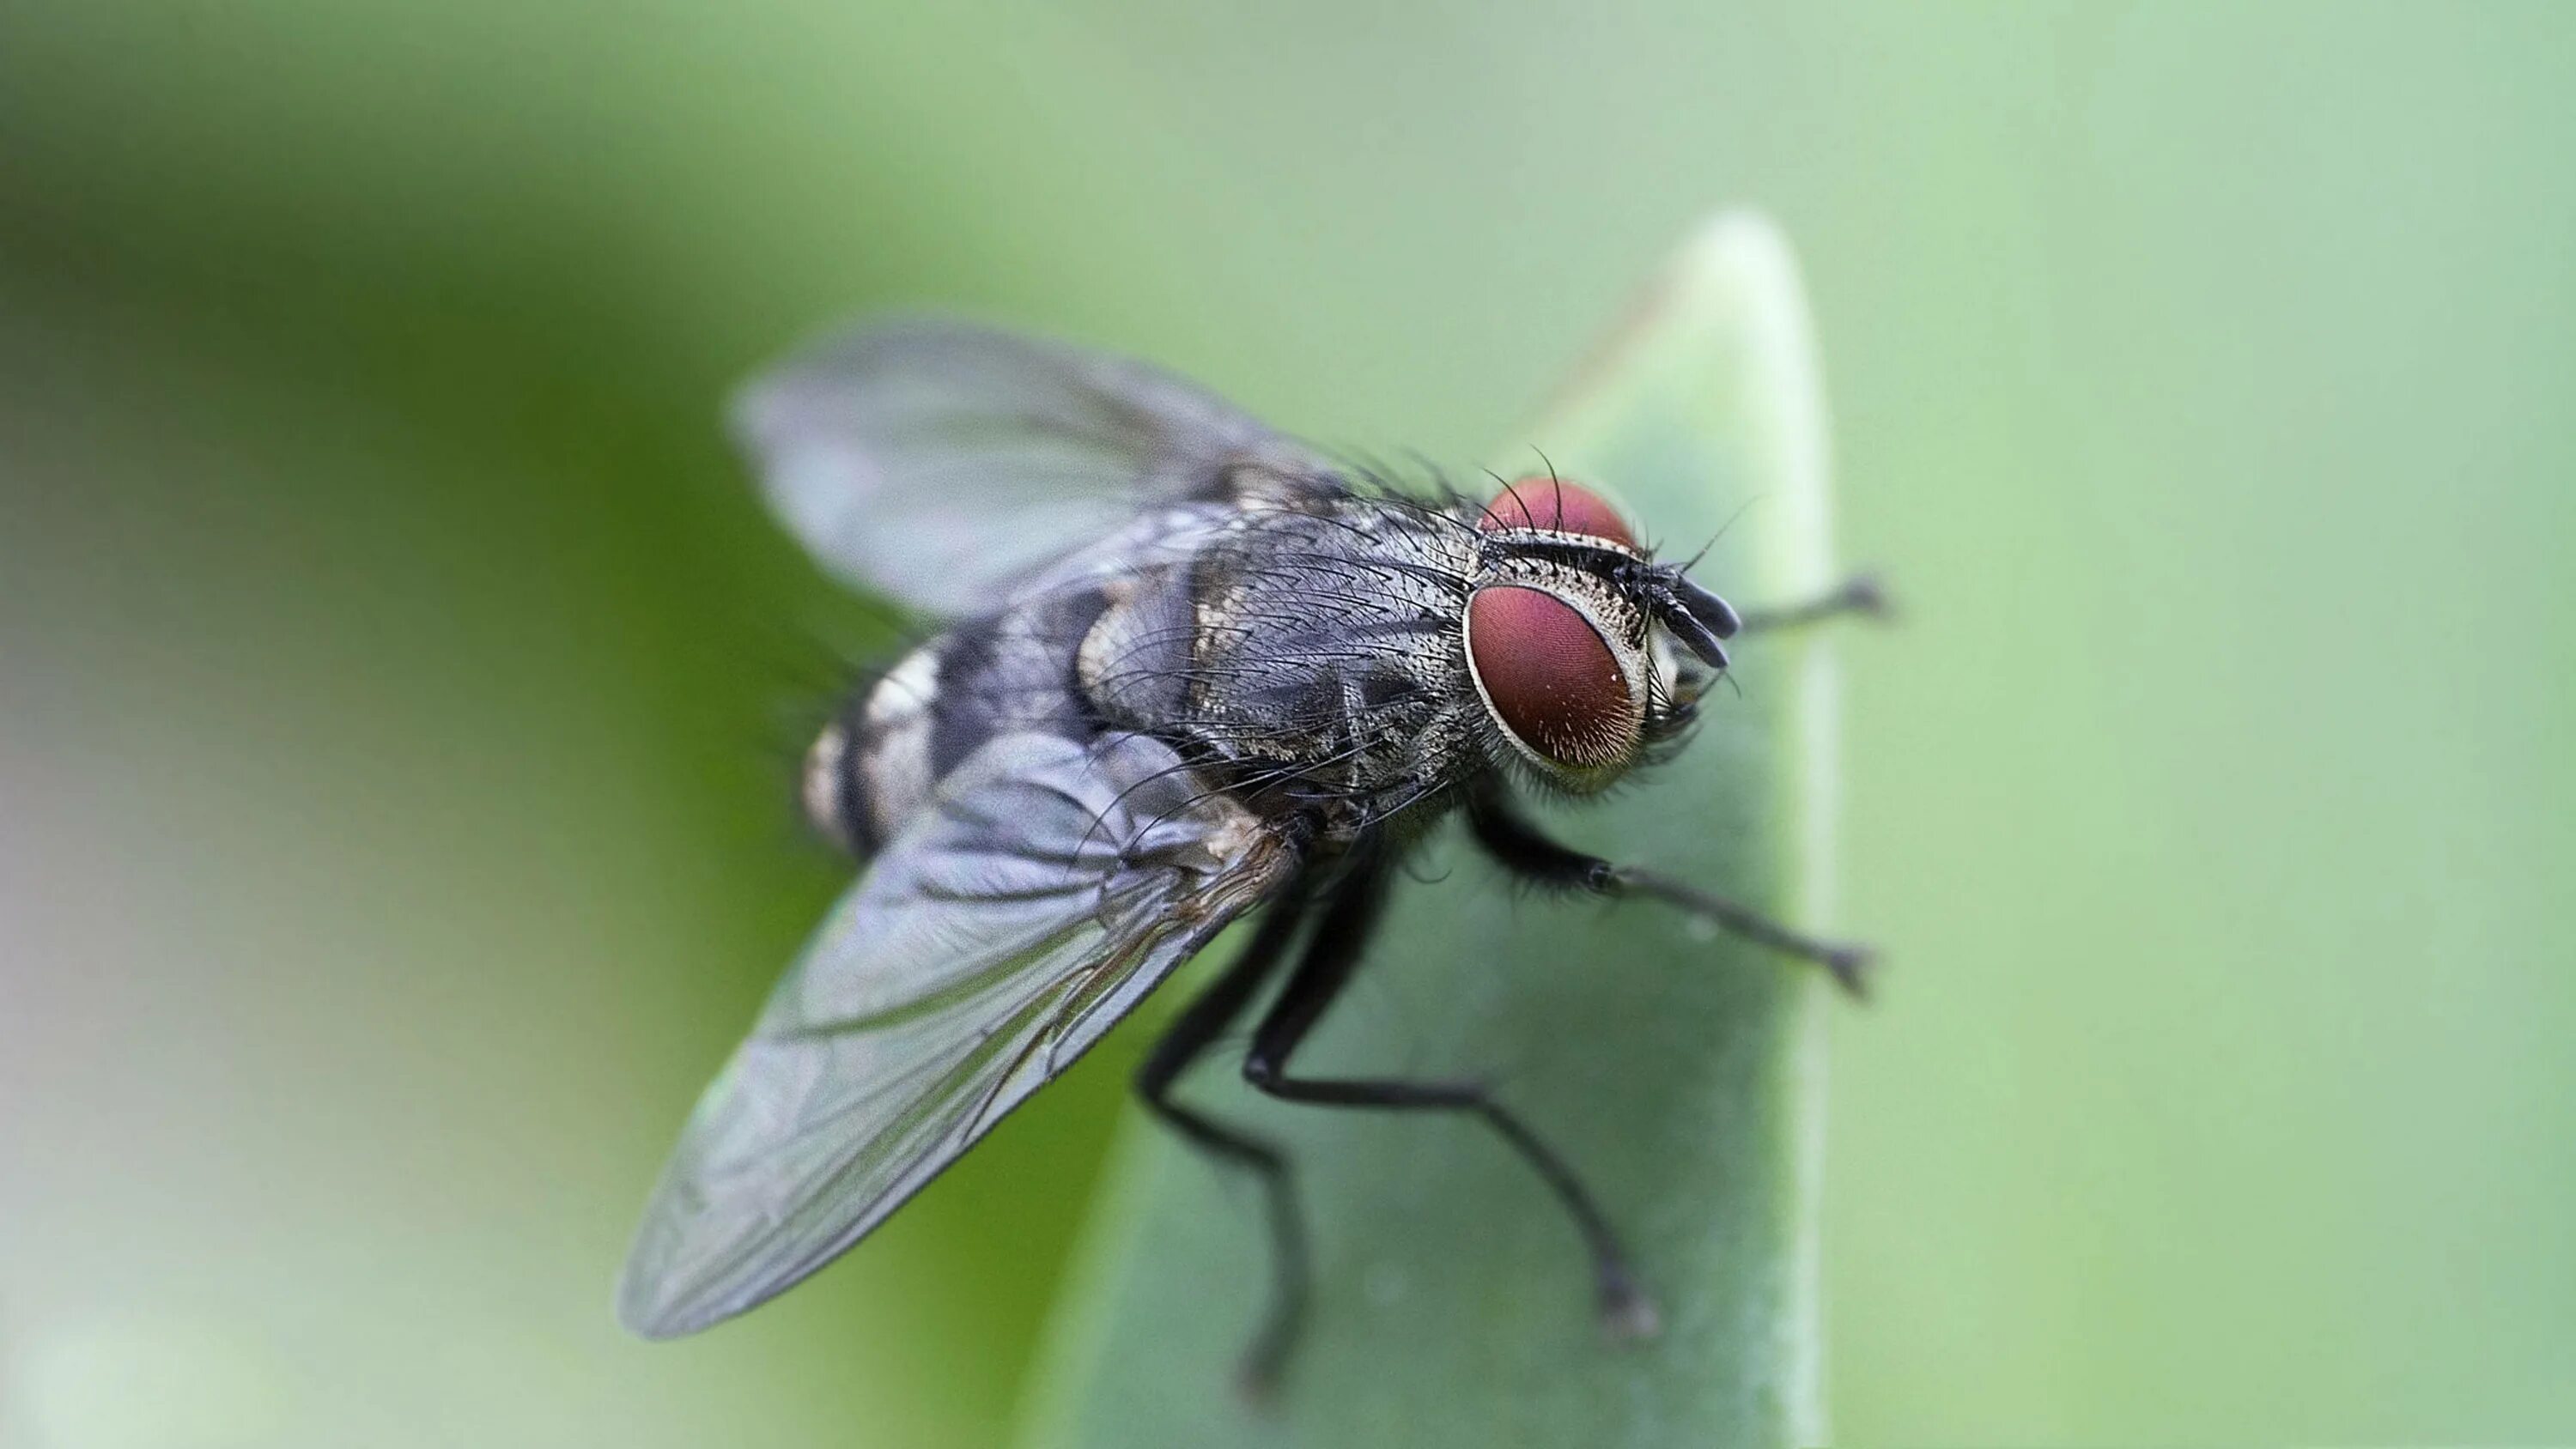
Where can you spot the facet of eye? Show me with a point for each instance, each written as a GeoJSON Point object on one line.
{"type": "Point", "coordinates": [1550, 677]}
{"type": "Point", "coordinates": [1553, 503]}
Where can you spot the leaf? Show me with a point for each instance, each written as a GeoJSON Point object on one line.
{"type": "Point", "coordinates": [1679, 1071]}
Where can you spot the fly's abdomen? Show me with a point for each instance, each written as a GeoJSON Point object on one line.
{"type": "Point", "coordinates": [877, 764]}
{"type": "Point", "coordinates": [869, 769]}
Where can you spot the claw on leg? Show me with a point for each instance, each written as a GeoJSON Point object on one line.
{"type": "Point", "coordinates": [1627, 1314]}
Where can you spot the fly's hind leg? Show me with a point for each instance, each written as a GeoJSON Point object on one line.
{"type": "Point", "coordinates": [1200, 1024]}
{"type": "Point", "coordinates": [1527, 852]}
{"type": "Point", "coordinates": [1341, 933]}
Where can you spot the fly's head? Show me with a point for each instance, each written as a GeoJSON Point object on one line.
{"type": "Point", "coordinates": [1586, 652]}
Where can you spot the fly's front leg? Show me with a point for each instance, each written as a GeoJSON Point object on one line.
{"type": "Point", "coordinates": [1526, 852]}
{"type": "Point", "coordinates": [1326, 967]}
{"type": "Point", "coordinates": [1860, 594]}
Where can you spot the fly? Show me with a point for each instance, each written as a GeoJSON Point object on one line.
{"type": "Point", "coordinates": [1195, 671]}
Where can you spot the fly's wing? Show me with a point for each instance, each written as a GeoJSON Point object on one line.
{"type": "Point", "coordinates": [940, 462]}
{"type": "Point", "coordinates": [1041, 895]}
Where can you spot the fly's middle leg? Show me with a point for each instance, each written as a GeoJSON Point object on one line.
{"type": "Point", "coordinates": [1526, 851]}
{"type": "Point", "coordinates": [1347, 920]}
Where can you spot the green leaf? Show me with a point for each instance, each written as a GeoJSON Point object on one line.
{"type": "Point", "coordinates": [1680, 1071]}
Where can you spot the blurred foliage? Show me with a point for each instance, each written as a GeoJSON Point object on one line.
{"type": "Point", "coordinates": [392, 827]}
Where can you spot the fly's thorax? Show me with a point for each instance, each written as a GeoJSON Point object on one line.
{"type": "Point", "coordinates": [1311, 656]}
{"type": "Point", "coordinates": [1135, 662]}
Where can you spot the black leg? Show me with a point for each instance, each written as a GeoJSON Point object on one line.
{"type": "Point", "coordinates": [1200, 1024]}
{"type": "Point", "coordinates": [1859, 594]}
{"type": "Point", "coordinates": [1531, 855]}
{"type": "Point", "coordinates": [1321, 973]}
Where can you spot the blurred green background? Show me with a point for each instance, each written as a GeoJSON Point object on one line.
{"type": "Point", "coordinates": [397, 680]}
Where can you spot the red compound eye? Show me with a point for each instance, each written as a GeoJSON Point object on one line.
{"type": "Point", "coordinates": [1550, 677]}
{"type": "Point", "coordinates": [1555, 504]}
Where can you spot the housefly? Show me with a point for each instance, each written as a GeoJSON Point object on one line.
{"type": "Point", "coordinates": [1195, 671]}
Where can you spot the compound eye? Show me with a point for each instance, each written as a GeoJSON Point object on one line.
{"type": "Point", "coordinates": [1550, 677]}
{"type": "Point", "coordinates": [1554, 504]}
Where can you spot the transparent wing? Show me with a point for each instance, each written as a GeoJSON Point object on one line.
{"type": "Point", "coordinates": [939, 462]}
{"type": "Point", "coordinates": [1048, 888]}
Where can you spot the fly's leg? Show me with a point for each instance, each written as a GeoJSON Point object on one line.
{"type": "Point", "coordinates": [1200, 1024]}
{"type": "Point", "coordinates": [1331, 954]}
{"type": "Point", "coordinates": [1860, 594]}
{"type": "Point", "coordinates": [1526, 852]}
